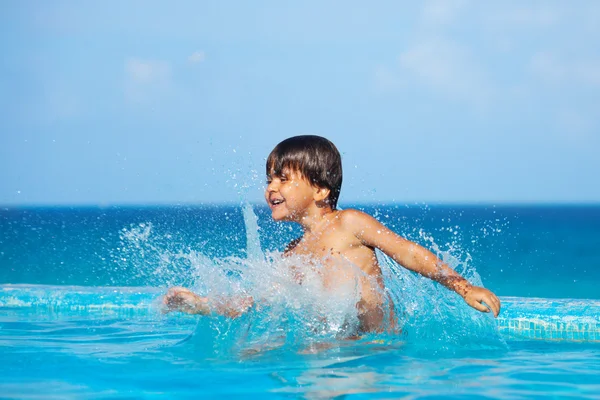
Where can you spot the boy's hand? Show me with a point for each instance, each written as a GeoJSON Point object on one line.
{"type": "Point", "coordinates": [184, 300]}
{"type": "Point", "coordinates": [475, 296]}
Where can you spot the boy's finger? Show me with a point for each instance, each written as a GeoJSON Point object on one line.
{"type": "Point", "coordinates": [494, 305]}
{"type": "Point", "coordinates": [494, 309]}
{"type": "Point", "coordinates": [479, 306]}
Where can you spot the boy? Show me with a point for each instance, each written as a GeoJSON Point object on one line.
{"type": "Point", "coordinates": [304, 178]}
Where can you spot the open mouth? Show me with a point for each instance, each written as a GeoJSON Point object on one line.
{"type": "Point", "coordinates": [276, 202]}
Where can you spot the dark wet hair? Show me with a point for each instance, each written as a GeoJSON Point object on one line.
{"type": "Point", "coordinates": [315, 157]}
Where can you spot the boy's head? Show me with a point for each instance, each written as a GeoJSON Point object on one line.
{"type": "Point", "coordinates": [316, 158]}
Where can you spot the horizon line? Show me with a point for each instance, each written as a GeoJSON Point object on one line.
{"type": "Point", "coordinates": [347, 204]}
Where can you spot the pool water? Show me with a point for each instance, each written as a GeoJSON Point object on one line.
{"type": "Point", "coordinates": [80, 310]}
{"type": "Point", "coordinates": [125, 352]}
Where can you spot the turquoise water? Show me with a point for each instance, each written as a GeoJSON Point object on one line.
{"type": "Point", "coordinates": [80, 297]}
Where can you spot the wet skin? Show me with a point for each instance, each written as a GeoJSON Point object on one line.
{"type": "Point", "coordinates": [333, 237]}
{"type": "Point", "coordinates": [335, 240]}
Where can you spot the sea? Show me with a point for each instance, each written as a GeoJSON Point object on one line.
{"type": "Point", "coordinates": [81, 312]}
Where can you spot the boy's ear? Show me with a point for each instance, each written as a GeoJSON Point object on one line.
{"type": "Point", "coordinates": [321, 194]}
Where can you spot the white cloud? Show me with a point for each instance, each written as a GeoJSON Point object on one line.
{"type": "Point", "coordinates": [557, 70]}
{"type": "Point", "coordinates": [436, 62]}
{"type": "Point", "coordinates": [147, 71]}
{"type": "Point", "coordinates": [546, 66]}
{"type": "Point", "coordinates": [561, 77]}
{"type": "Point", "coordinates": [441, 12]}
{"type": "Point", "coordinates": [445, 67]}
{"type": "Point", "coordinates": [529, 17]}
{"type": "Point", "coordinates": [480, 53]}
{"type": "Point", "coordinates": [197, 57]}
{"type": "Point", "coordinates": [146, 80]}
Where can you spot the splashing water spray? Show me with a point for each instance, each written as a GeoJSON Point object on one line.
{"type": "Point", "coordinates": [288, 315]}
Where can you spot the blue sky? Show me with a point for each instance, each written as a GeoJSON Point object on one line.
{"type": "Point", "coordinates": [121, 102]}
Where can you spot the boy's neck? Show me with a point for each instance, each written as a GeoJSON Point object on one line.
{"type": "Point", "coordinates": [314, 218]}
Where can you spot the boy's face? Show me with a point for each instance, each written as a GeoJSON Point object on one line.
{"type": "Point", "coordinates": [289, 195]}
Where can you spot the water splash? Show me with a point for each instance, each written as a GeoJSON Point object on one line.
{"type": "Point", "coordinates": [292, 315]}
{"type": "Point", "coordinates": [253, 250]}
{"type": "Point", "coordinates": [156, 259]}
{"type": "Point", "coordinates": [431, 315]}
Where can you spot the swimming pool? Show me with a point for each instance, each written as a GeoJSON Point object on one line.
{"type": "Point", "coordinates": [79, 308]}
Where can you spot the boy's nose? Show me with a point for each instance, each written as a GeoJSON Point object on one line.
{"type": "Point", "coordinates": [272, 186]}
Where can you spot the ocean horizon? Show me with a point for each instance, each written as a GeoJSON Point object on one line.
{"type": "Point", "coordinates": [541, 250]}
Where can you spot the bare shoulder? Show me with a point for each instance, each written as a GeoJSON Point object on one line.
{"type": "Point", "coordinates": [356, 221]}
{"type": "Point", "coordinates": [363, 226]}
{"type": "Point", "coordinates": [353, 218]}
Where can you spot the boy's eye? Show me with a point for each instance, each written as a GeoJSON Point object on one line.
{"type": "Point", "coordinates": [281, 179]}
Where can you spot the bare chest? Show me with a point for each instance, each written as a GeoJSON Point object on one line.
{"type": "Point", "coordinates": [333, 245]}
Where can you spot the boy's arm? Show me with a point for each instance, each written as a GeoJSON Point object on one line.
{"type": "Point", "coordinates": [184, 300]}
{"type": "Point", "coordinates": [416, 258]}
